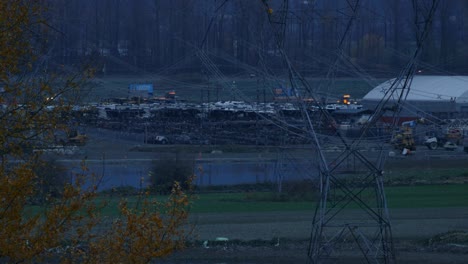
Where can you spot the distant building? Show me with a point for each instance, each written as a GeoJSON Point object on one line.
{"type": "Point", "coordinates": [286, 94]}
{"type": "Point", "coordinates": [143, 90]}
{"type": "Point", "coordinates": [282, 93]}
{"type": "Point", "coordinates": [441, 97]}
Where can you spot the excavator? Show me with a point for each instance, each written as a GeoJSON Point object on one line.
{"type": "Point", "coordinates": [403, 139]}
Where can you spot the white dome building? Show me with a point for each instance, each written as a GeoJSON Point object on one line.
{"type": "Point", "coordinates": [444, 97]}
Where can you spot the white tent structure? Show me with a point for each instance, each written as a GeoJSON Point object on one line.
{"type": "Point", "coordinates": [444, 97]}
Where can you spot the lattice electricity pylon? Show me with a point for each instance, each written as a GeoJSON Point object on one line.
{"type": "Point", "coordinates": [342, 187]}
{"type": "Point", "coordinates": [352, 181]}
{"type": "Point", "coordinates": [278, 16]}
{"type": "Point", "coordinates": [351, 178]}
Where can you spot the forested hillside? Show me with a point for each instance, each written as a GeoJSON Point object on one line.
{"type": "Point", "coordinates": [140, 36]}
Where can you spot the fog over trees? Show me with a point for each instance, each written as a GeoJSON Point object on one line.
{"type": "Point", "coordinates": [135, 36]}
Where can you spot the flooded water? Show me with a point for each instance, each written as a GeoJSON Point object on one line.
{"type": "Point", "coordinates": [135, 173]}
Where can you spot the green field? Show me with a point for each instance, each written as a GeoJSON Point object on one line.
{"type": "Point", "coordinates": [422, 196]}
{"type": "Point", "coordinates": [426, 196]}
{"type": "Point", "coordinates": [418, 196]}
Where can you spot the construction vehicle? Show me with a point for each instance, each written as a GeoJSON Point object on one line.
{"type": "Point", "coordinates": [434, 139]}
{"type": "Point", "coordinates": [433, 142]}
{"type": "Point", "coordinates": [452, 138]}
{"type": "Point", "coordinates": [403, 139]}
{"type": "Point", "coordinates": [455, 135]}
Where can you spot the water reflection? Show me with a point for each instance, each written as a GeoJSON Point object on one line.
{"type": "Point", "coordinates": [116, 173]}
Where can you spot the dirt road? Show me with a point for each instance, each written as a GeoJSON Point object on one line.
{"type": "Point", "coordinates": [282, 237]}
{"type": "Point", "coordinates": [417, 223]}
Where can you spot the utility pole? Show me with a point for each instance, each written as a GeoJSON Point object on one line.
{"type": "Point", "coordinates": [256, 115]}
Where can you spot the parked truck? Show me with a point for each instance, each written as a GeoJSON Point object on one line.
{"type": "Point", "coordinates": [157, 139]}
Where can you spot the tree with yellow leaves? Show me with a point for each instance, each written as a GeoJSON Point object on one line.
{"type": "Point", "coordinates": [34, 103]}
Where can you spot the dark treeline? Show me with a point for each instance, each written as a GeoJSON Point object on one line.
{"type": "Point", "coordinates": [138, 36]}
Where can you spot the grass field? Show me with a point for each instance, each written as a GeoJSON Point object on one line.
{"type": "Point", "coordinates": [422, 196]}
{"type": "Point", "coordinates": [427, 196]}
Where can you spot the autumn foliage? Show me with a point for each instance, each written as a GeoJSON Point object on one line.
{"type": "Point", "coordinates": [35, 95]}
{"type": "Point", "coordinates": [143, 234]}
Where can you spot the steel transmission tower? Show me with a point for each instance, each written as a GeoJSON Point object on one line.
{"type": "Point", "coordinates": [367, 231]}
{"type": "Point", "coordinates": [351, 219]}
